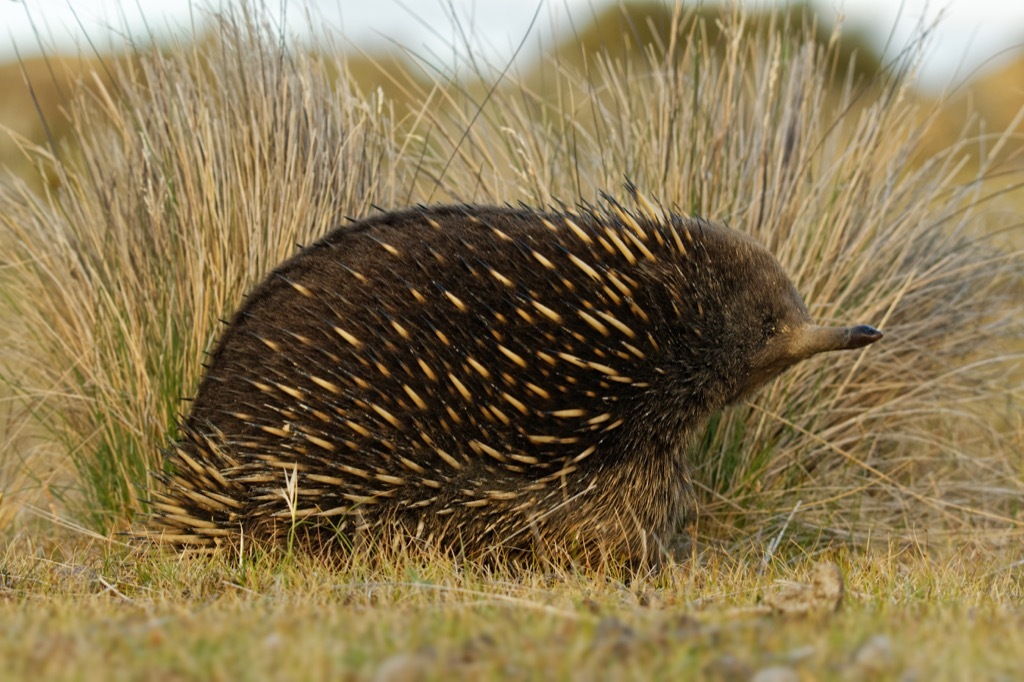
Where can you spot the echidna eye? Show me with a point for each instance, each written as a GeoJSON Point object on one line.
{"type": "Point", "coordinates": [768, 328]}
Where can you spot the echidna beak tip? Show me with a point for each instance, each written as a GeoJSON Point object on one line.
{"type": "Point", "coordinates": [863, 335]}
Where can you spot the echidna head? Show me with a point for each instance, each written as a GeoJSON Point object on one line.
{"type": "Point", "coordinates": [785, 335]}
{"type": "Point", "coordinates": [762, 326]}
{"type": "Point", "coordinates": [782, 334]}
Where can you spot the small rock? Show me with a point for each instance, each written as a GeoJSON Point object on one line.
{"type": "Point", "coordinates": [273, 641]}
{"type": "Point", "coordinates": [875, 656]}
{"type": "Point", "coordinates": [823, 594]}
{"type": "Point", "coordinates": [404, 667]}
{"type": "Point", "coordinates": [776, 673]}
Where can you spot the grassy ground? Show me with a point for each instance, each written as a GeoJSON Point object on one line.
{"type": "Point", "coordinates": [107, 612]}
{"type": "Point", "coordinates": [188, 173]}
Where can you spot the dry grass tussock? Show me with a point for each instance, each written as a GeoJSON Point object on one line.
{"type": "Point", "coordinates": [186, 182]}
{"type": "Point", "coordinates": [205, 163]}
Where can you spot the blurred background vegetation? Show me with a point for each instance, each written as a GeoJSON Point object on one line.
{"type": "Point", "coordinates": [38, 89]}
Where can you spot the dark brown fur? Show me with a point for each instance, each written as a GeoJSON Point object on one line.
{"type": "Point", "coordinates": [482, 378]}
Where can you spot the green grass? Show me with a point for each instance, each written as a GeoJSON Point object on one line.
{"type": "Point", "coordinates": [195, 169]}
{"type": "Point", "coordinates": [112, 613]}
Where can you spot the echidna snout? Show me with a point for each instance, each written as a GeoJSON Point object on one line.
{"type": "Point", "coordinates": [801, 342]}
{"type": "Point", "coordinates": [482, 378]}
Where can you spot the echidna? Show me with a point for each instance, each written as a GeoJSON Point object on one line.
{"type": "Point", "coordinates": [483, 378]}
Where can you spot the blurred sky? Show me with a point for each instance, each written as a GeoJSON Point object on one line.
{"type": "Point", "coordinates": [972, 33]}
